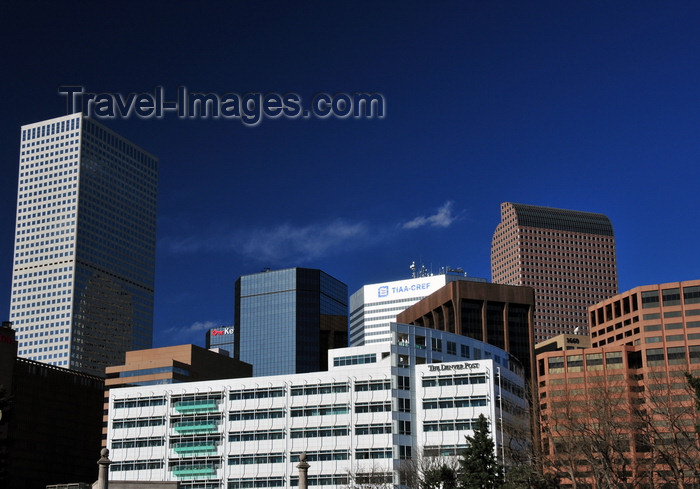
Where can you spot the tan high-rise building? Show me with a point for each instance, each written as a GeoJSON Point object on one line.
{"type": "Point", "coordinates": [621, 413]}
{"type": "Point", "coordinates": [568, 257]}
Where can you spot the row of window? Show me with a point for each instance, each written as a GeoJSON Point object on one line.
{"type": "Point", "coordinates": [138, 423]}
{"type": "Point", "coordinates": [154, 371]}
{"type": "Point", "coordinates": [132, 403]}
{"type": "Point", "coordinates": [450, 425]}
{"type": "Point", "coordinates": [355, 360]}
{"type": "Point", "coordinates": [457, 402]}
{"type": "Point", "coordinates": [456, 380]}
{"type": "Point", "coordinates": [136, 465]}
{"type": "Point", "coordinates": [51, 129]}
{"type": "Point", "coordinates": [138, 443]}
{"type": "Point", "coordinates": [655, 357]}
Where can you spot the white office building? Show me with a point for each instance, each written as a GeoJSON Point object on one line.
{"type": "Point", "coordinates": [375, 306]}
{"type": "Point", "coordinates": [376, 406]}
{"type": "Point", "coordinates": [84, 256]}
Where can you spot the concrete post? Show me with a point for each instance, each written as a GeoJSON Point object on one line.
{"type": "Point", "coordinates": [303, 472]}
{"type": "Point", "coordinates": [103, 473]}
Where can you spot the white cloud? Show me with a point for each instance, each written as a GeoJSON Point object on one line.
{"type": "Point", "coordinates": [289, 243]}
{"type": "Point", "coordinates": [285, 242]}
{"type": "Point", "coordinates": [196, 327]}
{"type": "Point", "coordinates": [441, 219]}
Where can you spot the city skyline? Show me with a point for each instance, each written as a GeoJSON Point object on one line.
{"type": "Point", "coordinates": [558, 105]}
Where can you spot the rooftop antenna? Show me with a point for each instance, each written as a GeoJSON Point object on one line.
{"type": "Point", "coordinates": [413, 269]}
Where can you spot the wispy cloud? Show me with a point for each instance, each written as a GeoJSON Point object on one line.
{"type": "Point", "coordinates": [285, 242]}
{"type": "Point", "coordinates": [184, 332]}
{"type": "Point", "coordinates": [290, 243]}
{"type": "Point", "coordinates": [441, 219]}
{"type": "Point", "coordinates": [307, 242]}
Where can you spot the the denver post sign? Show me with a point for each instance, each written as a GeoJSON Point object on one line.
{"type": "Point", "coordinates": [440, 367]}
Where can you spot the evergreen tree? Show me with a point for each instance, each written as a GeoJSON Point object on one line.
{"type": "Point", "coordinates": [479, 467]}
{"type": "Point", "coordinates": [441, 477]}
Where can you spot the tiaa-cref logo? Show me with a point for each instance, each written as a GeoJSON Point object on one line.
{"type": "Point", "coordinates": [383, 291]}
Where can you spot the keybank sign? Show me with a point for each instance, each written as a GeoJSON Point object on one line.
{"type": "Point", "coordinates": [221, 332]}
{"type": "Point", "coordinates": [386, 290]}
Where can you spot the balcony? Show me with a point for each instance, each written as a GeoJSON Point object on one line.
{"type": "Point", "coordinates": [194, 449]}
{"type": "Point", "coordinates": [202, 406]}
{"type": "Point", "coordinates": [194, 472]}
{"type": "Point", "coordinates": [195, 427]}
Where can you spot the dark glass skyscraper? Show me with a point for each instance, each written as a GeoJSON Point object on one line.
{"type": "Point", "coordinates": [287, 320]}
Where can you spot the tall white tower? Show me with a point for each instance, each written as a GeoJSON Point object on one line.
{"type": "Point", "coordinates": [84, 256]}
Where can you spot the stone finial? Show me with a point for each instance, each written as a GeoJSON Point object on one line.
{"type": "Point", "coordinates": [104, 453]}
{"type": "Point", "coordinates": [103, 472]}
{"type": "Point", "coordinates": [303, 467]}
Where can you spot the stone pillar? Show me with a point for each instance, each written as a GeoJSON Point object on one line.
{"type": "Point", "coordinates": [103, 473]}
{"type": "Point", "coordinates": [303, 472]}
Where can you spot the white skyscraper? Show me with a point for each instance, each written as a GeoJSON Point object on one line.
{"type": "Point", "coordinates": [84, 257]}
{"type": "Point", "coordinates": [375, 306]}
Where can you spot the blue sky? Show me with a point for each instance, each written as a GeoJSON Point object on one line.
{"type": "Point", "coordinates": [591, 106]}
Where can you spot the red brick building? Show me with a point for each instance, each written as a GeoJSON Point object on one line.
{"type": "Point", "coordinates": [621, 414]}
{"type": "Point", "coordinates": [568, 257]}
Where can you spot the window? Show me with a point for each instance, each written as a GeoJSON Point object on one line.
{"type": "Point", "coordinates": [404, 405]}
{"type": "Point", "coordinates": [464, 350]}
{"type": "Point", "coordinates": [691, 295]}
{"type": "Point", "coordinates": [371, 407]}
{"type": "Point", "coordinates": [613, 359]}
{"type": "Point", "coordinates": [650, 299]}
{"type": "Point", "coordinates": [436, 344]}
{"type": "Point", "coordinates": [404, 383]}
{"type": "Point", "coordinates": [676, 355]}
{"type": "Point", "coordinates": [404, 427]}
{"type": "Point", "coordinates": [655, 357]}
{"type": "Point", "coordinates": [672, 297]}
{"type": "Point", "coordinates": [451, 348]}
{"type": "Point", "coordinates": [297, 412]}
{"type": "Point", "coordinates": [574, 363]}
{"type": "Point", "coordinates": [372, 385]}
{"type": "Point", "coordinates": [372, 429]}
{"type": "Point", "coordinates": [594, 361]}
{"type": "Point", "coordinates": [556, 365]}
{"type": "Point", "coordinates": [694, 351]}
{"type": "Point", "coordinates": [354, 360]}
{"type": "Point", "coordinates": [372, 453]}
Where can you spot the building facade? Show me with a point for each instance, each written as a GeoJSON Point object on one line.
{"type": "Point", "coordinates": [84, 255]}
{"type": "Point", "coordinates": [568, 257]}
{"type": "Point", "coordinates": [170, 365]}
{"type": "Point", "coordinates": [287, 320]}
{"type": "Point", "coordinates": [376, 406]}
{"type": "Point", "coordinates": [622, 410]}
{"type": "Point", "coordinates": [563, 342]}
{"type": "Point", "coordinates": [50, 428]}
{"type": "Point", "coordinates": [373, 307]}
{"type": "Point", "coordinates": [223, 338]}
{"type": "Point", "coordinates": [501, 315]}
